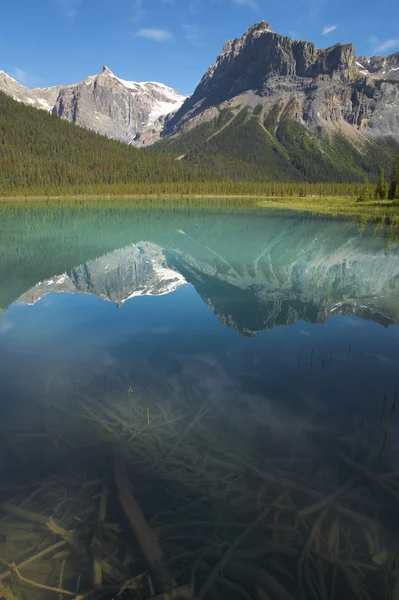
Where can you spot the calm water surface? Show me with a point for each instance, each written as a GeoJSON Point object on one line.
{"type": "Point", "coordinates": [243, 366]}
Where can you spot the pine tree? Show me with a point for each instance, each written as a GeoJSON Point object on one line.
{"type": "Point", "coordinates": [394, 187]}
{"type": "Point", "coordinates": [365, 193]}
{"type": "Point", "coordinates": [381, 189]}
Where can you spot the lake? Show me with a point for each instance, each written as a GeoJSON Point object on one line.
{"type": "Point", "coordinates": [233, 373]}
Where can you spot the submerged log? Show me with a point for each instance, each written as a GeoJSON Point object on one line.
{"type": "Point", "coordinates": [147, 539]}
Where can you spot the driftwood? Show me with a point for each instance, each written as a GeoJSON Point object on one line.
{"type": "Point", "coordinates": [146, 537]}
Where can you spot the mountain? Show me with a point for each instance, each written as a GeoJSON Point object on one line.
{"type": "Point", "coordinates": [41, 154]}
{"type": "Point", "coordinates": [282, 106]}
{"type": "Point", "coordinates": [20, 93]}
{"type": "Point", "coordinates": [104, 103]}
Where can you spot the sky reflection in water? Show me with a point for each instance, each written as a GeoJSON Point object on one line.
{"type": "Point", "coordinates": [279, 320]}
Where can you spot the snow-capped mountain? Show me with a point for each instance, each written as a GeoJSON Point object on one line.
{"type": "Point", "coordinates": [20, 93]}
{"type": "Point", "coordinates": [105, 103]}
{"type": "Point", "coordinates": [137, 270]}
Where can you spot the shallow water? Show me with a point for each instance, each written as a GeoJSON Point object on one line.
{"type": "Point", "coordinates": [244, 366]}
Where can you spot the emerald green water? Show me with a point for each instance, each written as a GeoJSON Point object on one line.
{"type": "Point", "coordinates": [235, 356]}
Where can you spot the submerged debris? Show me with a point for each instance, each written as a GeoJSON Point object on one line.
{"type": "Point", "coordinates": [129, 498]}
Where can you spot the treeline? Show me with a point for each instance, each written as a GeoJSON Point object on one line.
{"type": "Point", "coordinates": [240, 189]}
{"type": "Point", "coordinates": [384, 190]}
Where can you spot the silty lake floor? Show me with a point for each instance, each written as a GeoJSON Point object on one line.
{"type": "Point", "coordinates": [239, 369]}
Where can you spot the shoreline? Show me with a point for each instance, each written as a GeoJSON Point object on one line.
{"type": "Point", "coordinates": [329, 205]}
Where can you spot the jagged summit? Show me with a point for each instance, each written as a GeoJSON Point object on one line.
{"type": "Point", "coordinates": [249, 62]}
{"type": "Point", "coordinates": [258, 28]}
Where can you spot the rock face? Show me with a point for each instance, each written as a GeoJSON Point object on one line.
{"type": "Point", "coordinates": [330, 87]}
{"type": "Point", "coordinates": [380, 67]}
{"type": "Point", "coordinates": [20, 93]}
{"type": "Point", "coordinates": [114, 107]}
{"type": "Point", "coordinates": [104, 103]}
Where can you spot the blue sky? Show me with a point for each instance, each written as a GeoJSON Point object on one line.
{"type": "Point", "coordinates": [47, 42]}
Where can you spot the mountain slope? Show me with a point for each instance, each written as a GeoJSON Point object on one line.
{"type": "Point", "coordinates": [259, 145]}
{"type": "Point", "coordinates": [40, 150]}
{"type": "Point", "coordinates": [105, 103]}
{"type": "Point", "coordinates": [281, 109]}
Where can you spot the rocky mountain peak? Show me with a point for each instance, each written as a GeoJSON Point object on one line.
{"type": "Point", "coordinates": [106, 70]}
{"type": "Point", "coordinates": [248, 63]}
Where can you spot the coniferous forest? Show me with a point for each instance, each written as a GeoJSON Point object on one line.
{"type": "Point", "coordinates": [41, 154]}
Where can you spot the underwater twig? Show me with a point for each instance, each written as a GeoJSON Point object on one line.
{"type": "Point", "coordinates": [394, 399]}
{"type": "Point", "coordinates": [385, 436]}
{"type": "Point", "coordinates": [366, 427]}
{"type": "Point", "coordinates": [383, 409]}
{"type": "Point", "coordinates": [129, 397]}
{"type": "Point", "coordinates": [392, 573]}
{"type": "Point", "coordinates": [148, 420]}
{"type": "Point", "coordinates": [61, 579]}
{"type": "Point", "coordinates": [13, 567]}
{"type": "Point", "coordinates": [233, 547]}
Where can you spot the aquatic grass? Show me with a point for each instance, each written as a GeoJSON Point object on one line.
{"type": "Point", "coordinates": [385, 436]}
{"type": "Point", "coordinates": [392, 573]}
{"type": "Point", "coordinates": [388, 423]}
{"type": "Point", "coordinates": [148, 420]}
{"type": "Point", "coordinates": [394, 399]}
{"type": "Point", "coordinates": [129, 399]}
{"type": "Point", "coordinates": [384, 402]}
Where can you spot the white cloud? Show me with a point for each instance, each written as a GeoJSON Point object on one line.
{"type": "Point", "coordinates": [252, 3]}
{"type": "Point", "coordinates": [138, 12]}
{"type": "Point", "coordinates": [328, 29]}
{"type": "Point", "coordinates": [6, 326]}
{"type": "Point", "coordinates": [191, 32]}
{"type": "Point", "coordinates": [24, 77]}
{"type": "Point", "coordinates": [158, 35]}
{"type": "Point", "coordinates": [20, 75]}
{"type": "Point", "coordinates": [387, 45]}
{"type": "Point", "coordinates": [67, 8]}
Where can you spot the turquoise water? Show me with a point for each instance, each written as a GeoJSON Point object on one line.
{"type": "Point", "coordinates": [237, 361]}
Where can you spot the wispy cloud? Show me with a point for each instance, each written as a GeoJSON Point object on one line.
{"type": "Point", "coordinates": [387, 45]}
{"type": "Point", "coordinates": [67, 7]}
{"type": "Point", "coordinates": [157, 35]}
{"type": "Point", "coordinates": [328, 29]}
{"type": "Point", "coordinates": [24, 77]}
{"type": "Point", "coordinates": [191, 32]}
{"type": "Point", "coordinates": [251, 3]}
{"type": "Point", "coordinates": [137, 10]}
{"type": "Point", "coordinates": [20, 75]}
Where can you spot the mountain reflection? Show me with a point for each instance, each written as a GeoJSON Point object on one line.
{"type": "Point", "coordinates": [289, 269]}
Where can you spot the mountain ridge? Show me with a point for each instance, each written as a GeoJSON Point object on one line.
{"type": "Point", "coordinates": [103, 103]}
